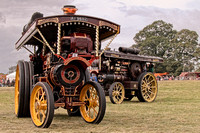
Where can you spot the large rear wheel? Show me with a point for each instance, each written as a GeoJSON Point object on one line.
{"type": "Point", "coordinates": [19, 89]}
{"type": "Point", "coordinates": [42, 105]}
{"type": "Point", "coordinates": [26, 89]}
{"type": "Point", "coordinates": [147, 88]}
{"type": "Point", "coordinates": [94, 108]}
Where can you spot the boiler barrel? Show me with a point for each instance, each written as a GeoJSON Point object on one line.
{"type": "Point", "coordinates": [129, 50]}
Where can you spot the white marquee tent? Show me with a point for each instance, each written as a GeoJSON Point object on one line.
{"type": "Point", "coordinates": [11, 76]}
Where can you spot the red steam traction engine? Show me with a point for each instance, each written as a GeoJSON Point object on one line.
{"type": "Point", "coordinates": [63, 47]}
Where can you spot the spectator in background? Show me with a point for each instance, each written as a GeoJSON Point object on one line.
{"type": "Point", "coordinates": [94, 77]}
{"type": "Point", "coordinates": [8, 83]}
{"type": "Point", "coordinates": [13, 83]}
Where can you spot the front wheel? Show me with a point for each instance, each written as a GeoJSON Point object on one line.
{"type": "Point", "coordinates": [42, 105]}
{"type": "Point", "coordinates": [116, 93]}
{"type": "Point", "coordinates": [94, 108]}
{"type": "Point", "coordinates": [147, 88]}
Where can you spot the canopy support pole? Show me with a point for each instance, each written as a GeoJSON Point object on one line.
{"type": "Point", "coordinates": [45, 42]}
{"type": "Point", "coordinates": [97, 41]}
{"type": "Point", "coordinates": [105, 49]}
{"type": "Point", "coordinates": [28, 49]}
{"type": "Point", "coordinates": [58, 38]}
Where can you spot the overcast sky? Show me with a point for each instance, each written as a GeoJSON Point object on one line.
{"type": "Point", "coordinates": [132, 15]}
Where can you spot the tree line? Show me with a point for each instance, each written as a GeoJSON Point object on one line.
{"type": "Point", "coordinates": [179, 49]}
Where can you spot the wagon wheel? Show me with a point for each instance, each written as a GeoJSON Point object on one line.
{"type": "Point", "coordinates": [75, 111]}
{"type": "Point", "coordinates": [26, 110]}
{"type": "Point", "coordinates": [116, 93]}
{"type": "Point", "coordinates": [148, 88]}
{"type": "Point", "coordinates": [94, 108]}
{"type": "Point", "coordinates": [19, 89]}
{"type": "Point", "coordinates": [42, 105]}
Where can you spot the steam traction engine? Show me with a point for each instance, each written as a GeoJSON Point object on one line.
{"type": "Point", "coordinates": [62, 48]}
{"type": "Point", "coordinates": [125, 74]}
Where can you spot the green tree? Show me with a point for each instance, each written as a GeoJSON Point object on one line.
{"type": "Point", "coordinates": [155, 40]}
{"type": "Point", "coordinates": [180, 50]}
{"type": "Point", "coordinates": [186, 49]}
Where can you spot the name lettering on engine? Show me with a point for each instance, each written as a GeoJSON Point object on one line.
{"type": "Point", "coordinates": [79, 18]}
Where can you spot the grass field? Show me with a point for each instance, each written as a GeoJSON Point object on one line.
{"type": "Point", "coordinates": [176, 109]}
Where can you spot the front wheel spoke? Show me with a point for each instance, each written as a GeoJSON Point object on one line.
{"type": "Point", "coordinates": [113, 93]}
{"type": "Point", "coordinates": [96, 100]}
{"type": "Point", "coordinates": [119, 88]}
{"type": "Point", "coordinates": [152, 93]}
{"type": "Point", "coordinates": [90, 90]}
{"type": "Point", "coordinates": [115, 89]}
{"type": "Point", "coordinates": [97, 104]}
{"type": "Point", "coordinates": [42, 97]}
{"type": "Point", "coordinates": [144, 93]}
{"type": "Point", "coordinates": [95, 91]}
{"type": "Point", "coordinates": [114, 98]}
{"type": "Point", "coordinates": [151, 81]}
{"type": "Point", "coordinates": [37, 95]}
{"type": "Point", "coordinates": [43, 116]}
{"type": "Point", "coordinates": [94, 111]}
{"type": "Point", "coordinates": [37, 99]}
{"type": "Point", "coordinates": [145, 81]}
{"type": "Point", "coordinates": [147, 96]}
{"type": "Point", "coordinates": [143, 89]}
{"type": "Point", "coordinates": [118, 98]}
{"type": "Point", "coordinates": [153, 87]}
{"type": "Point", "coordinates": [86, 95]}
{"type": "Point", "coordinates": [38, 115]}
{"type": "Point", "coordinates": [143, 85]}
{"type": "Point", "coordinates": [149, 78]}
{"type": "Point", "coordinates": [89, 111]}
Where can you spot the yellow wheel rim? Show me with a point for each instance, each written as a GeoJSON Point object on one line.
{"type": "Point", "coordinates": [38, 105]}
{"type": "Point", "coordinates": [118, 93]}
{"type": "Point", "coordinates": [90, 110]}
{"type": "Point", "coordinates": [149, 87]}
{"type": "Point", "coordinates": [17, 91]}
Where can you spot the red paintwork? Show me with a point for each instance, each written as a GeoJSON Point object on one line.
{"type": "Point", "coordinates": [63, 74]}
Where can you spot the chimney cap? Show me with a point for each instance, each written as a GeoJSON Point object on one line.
{"type": "Point", "coordinates": [69, 9]}
{"type": "Point", "coordinates": [72, 6]}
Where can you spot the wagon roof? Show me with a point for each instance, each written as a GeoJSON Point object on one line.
{"type": "Point", "coordinates": [128, 56]}
{"type": "Point", "coordinates": [79, 23]}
